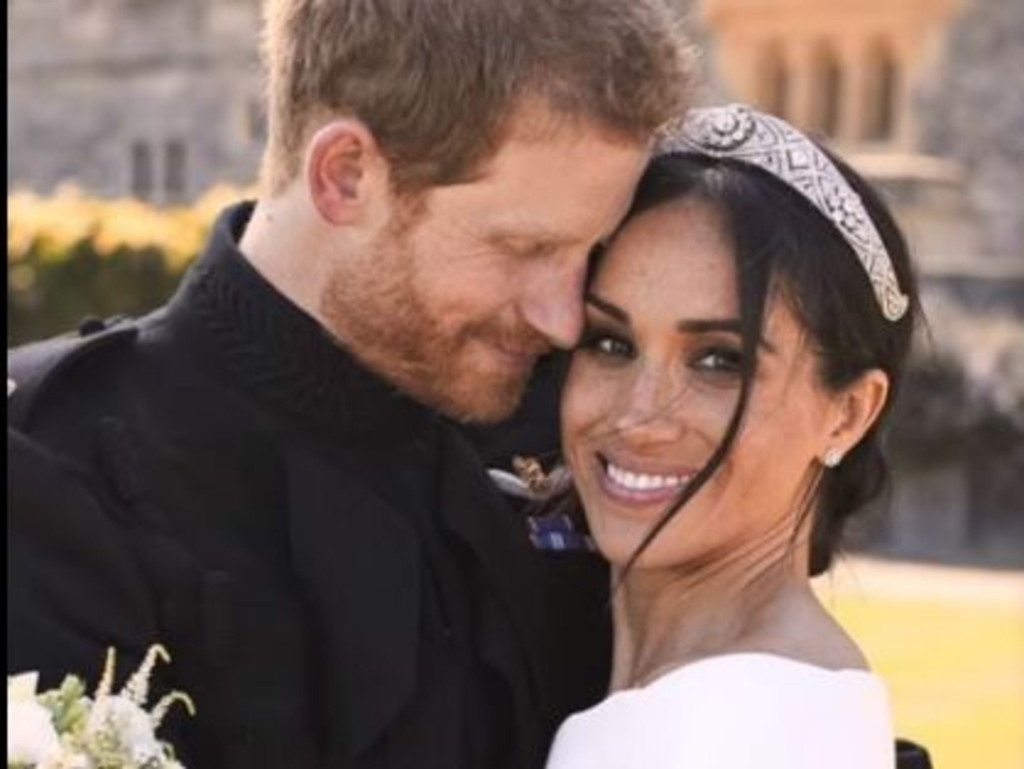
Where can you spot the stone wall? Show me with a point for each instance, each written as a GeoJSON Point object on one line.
{"type": "Point", "coordinates": [156, 97]}
{"type": "Point", "coordinates": [972, 108]}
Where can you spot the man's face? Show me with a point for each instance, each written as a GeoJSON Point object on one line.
{"type": "Point", "coordinates": [460, 293]}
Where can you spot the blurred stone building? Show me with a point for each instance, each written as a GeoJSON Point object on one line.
{"type": "Point", "coordinates": [918, 94]}
{"type": "Point", "coordinates": [921, 97]}
{"type": "Point", "coordinates": [161, 99]}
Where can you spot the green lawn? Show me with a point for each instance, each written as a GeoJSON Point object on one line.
{"type": "Point", "coordinates": [951, 647]}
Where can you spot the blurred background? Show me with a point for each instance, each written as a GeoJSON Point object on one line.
{"type": "Point", "coordinates": [129, 122]}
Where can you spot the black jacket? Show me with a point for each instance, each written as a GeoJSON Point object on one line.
{"type": "Point", "coordinates": [337, 580]}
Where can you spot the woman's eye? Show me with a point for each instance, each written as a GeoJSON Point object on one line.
{"type": "Point", "coordinates": [607, 345]}
{"type": "Point", "coordinates": [719, 360]}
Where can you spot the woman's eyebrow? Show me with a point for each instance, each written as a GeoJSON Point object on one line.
{"type": "Point", "coordinates": [710, 325]}
{"type": "Point", "coordinates": [607, 307]}
{"type": "Point", "coordinates": [688, 326]}
{"type": "Point", "coordinates": [704, 325]}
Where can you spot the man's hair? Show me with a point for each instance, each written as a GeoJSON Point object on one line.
{"type": "Point", "coordinates": [437, 81]}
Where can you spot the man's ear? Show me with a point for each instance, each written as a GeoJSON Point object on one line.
{"type": "Point", "coordinates": [857, 407]}
{"type": "Point", "coordinates": [344, 169]}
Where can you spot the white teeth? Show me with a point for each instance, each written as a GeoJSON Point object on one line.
{"type": "Point", "coordinates": [643, 481]}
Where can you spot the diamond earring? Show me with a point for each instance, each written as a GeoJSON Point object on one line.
{"type": "Point", "coordinates": [833, 457]}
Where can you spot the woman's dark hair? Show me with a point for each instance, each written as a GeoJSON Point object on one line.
{"type": "Point", "coordinates": [785, 247]}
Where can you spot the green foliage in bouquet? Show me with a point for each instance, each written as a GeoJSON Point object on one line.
{"type": "Point", "coordinates": [64, 728]}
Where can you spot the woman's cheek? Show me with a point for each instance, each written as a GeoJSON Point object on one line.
{"type": "Point", "coordinates": [588, 399]}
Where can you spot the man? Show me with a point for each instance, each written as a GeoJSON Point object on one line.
{"type": "Point", "coordinates": [267, 475]}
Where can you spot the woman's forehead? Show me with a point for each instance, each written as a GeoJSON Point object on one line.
{"type": "Point", "coordinates": [676, 248]}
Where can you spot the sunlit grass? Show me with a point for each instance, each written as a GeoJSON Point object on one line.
{"type": "Point", "coordinates": [951, 647]}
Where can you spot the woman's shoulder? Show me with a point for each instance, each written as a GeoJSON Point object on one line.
{"type": "Point", "coordinates": [786, 680]}
{"type": "Point", "coordinates": [789, 684]}
{"type": "Point", "coordinates": [742, 709]}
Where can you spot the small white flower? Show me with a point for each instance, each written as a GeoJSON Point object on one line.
{"type": "Point", "coordinates": [67, 759]}
{"type": "Point", "coordinates": [110, 729]}
{"type": "Point", "coordinates": [127, 723]}
{"type": "Point", "coordinates": [31, 736]}
{"type": "Point", "coordinates": [22, 687]}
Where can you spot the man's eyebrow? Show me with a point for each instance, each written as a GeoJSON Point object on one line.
{"type": "Point", "coordinates": [527, 237]}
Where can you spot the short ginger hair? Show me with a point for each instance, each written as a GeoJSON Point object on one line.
{"type": "Point", "coordinates": [437, 81]}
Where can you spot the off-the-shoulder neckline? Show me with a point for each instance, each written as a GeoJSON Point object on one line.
{"type": "Point", "coordinates": [748, 656]}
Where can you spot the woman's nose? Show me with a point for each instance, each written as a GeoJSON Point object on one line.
{"type": "Point", "coordinates": [651, 408]}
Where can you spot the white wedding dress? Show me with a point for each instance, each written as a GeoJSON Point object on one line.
{"type": "Point", "coordinates": [736, 711]}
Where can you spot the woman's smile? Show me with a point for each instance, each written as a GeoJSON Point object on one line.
{"type": "Point", "coordinates": [652, 389]}
{"type": "Point", "coordinates": [633, 484]}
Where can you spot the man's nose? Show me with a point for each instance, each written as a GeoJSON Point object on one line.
{"type": "Point", "coordinates": [552, 300]}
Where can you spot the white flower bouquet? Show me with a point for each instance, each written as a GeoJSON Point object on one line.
{"type": "Point", "coordinates": [64, 728]}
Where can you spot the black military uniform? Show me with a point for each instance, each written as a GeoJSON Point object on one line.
{"type": "Point", "coordinates": [336, 578]}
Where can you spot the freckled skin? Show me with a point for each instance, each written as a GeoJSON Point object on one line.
{"type": "Point", "coordinates": [650, 392]}
{"type": "Point", "coordinates": [665, 406]}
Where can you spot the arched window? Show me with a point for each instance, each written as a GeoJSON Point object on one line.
{"type": "Point", "coordinates": [142, 172]}
{"type": "Point", "coordinates": [175, 171]}
{"type": "Point", "coordinates": [882, 92]}
{"type": "Point", "coordinates": [827, 96]}
{"type": "Point", "coordinates": [773, 80]}
{"type": "Point", "coordinates": [831, 93]}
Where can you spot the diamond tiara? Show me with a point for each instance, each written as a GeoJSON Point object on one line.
{"type": "Point", "coordinates": [738, 132]}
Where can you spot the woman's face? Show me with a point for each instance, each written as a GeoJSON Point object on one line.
{"type": "Point", "coordinates": [652, 388]}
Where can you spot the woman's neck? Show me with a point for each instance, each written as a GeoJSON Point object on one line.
{"type": "Point", "coordinates": [665, 618]}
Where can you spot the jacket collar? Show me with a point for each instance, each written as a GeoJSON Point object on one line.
{"type": "Point", "coordinates": [497, 535]}
{"type": "Point", "coordinates": [358, 562]}
{"type": "Point", "coordinates": [359, 559]}
{"type": "Point", "coordinates": [273, 349]}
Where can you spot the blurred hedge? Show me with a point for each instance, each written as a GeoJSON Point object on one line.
{"type": "Point", "coordinates": [70, 256]}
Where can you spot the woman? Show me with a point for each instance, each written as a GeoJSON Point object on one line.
{"type": "Point", "coordinates": [746, 334]}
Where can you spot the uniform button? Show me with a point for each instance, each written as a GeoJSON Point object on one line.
{"type": "Point", "coordinates": [91, 325]}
